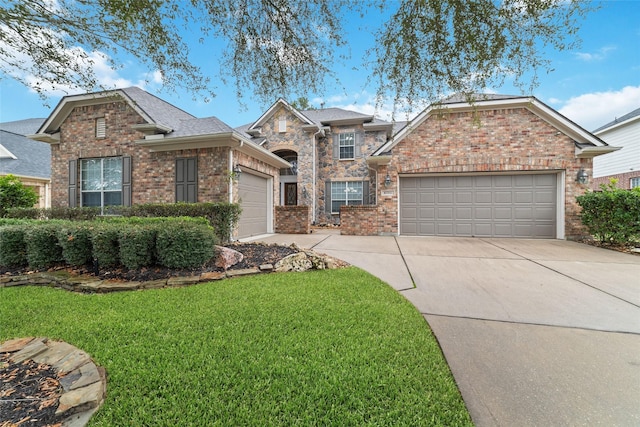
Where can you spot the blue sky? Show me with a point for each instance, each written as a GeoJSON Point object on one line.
{"type": "Point", "coordinates": [591, 86]}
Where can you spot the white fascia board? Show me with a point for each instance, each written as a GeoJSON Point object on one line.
{"type": "Point", "coordinates": [591, 152]}
{"type": "Point", "coordinates": [68, 103]}
{"type": "Point", "coordinates": [349, 121]}
{"type": "Point", "coordinates": [160, 143]}
{"type": "Point", "coordinates": [152, 128]}
{"type": "Point", "coordinates": [617, 125]}
{"type": "Point", "coordinates": [6, 154]}
{"type": "Point", "coordinates": [46, 137]}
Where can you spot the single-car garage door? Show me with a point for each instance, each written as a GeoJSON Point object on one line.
{"type": "Point", "coordinates": [522, 205]}
{"type": "Point", "coordinates": [253, 192]}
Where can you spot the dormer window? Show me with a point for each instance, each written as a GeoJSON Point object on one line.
{"type": "Point", "coordinates": [101, 128]}
{"type": "Point", "coordinates": [282, 124]}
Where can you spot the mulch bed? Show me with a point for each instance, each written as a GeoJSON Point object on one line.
{"type": "Point", "coordinates": [29, 394]}
{"type": "Point", "coordinates": [255, 254]}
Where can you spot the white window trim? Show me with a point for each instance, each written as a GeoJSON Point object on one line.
{"type": "Point", "coordinates": [346, 198]}
{"type": "Point", "coordinates": [353, 145]}
{"type": "Point", "coordinates": [635, 180]}
{"type": "Point", "coordinates": [102, 191]}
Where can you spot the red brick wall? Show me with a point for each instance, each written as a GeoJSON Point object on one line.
{"type": "Point", "coordinates": [153, 174]}
{"type": "Point", "coordinates": [359, 220]}
{"type": "Point", "coordinates": [624, 180]}
{"type": "Point", "coordinates": [485, 141]}
{"type": "Point", "coordinates": [293, 219]}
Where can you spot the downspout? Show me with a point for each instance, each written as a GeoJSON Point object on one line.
{"type": "Point", "coordinates": [313, 179]}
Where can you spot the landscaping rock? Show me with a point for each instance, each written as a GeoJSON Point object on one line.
{"type": "Point", "coordinates": [294, 262]}
{"type": "Point", "coordinates": [227, 258]}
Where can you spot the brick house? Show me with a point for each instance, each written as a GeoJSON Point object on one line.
{"type": "Point", "coordinates": [622, 165]}
{"type": "Point", "coordinates": [328, 150]}
{"type": "Point", "coordinates": [126, 146]}
{"type": "Point", "coordinates": [503, 166]}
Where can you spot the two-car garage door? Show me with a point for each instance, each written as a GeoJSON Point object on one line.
{"type": "Point", "coordinates": [522, 205]}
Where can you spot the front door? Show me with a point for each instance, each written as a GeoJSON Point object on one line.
{"type": "Point", "coordinates": [290, 193]}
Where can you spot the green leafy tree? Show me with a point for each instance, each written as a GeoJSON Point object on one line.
{"type": "Point", "coordinates": [302, 103]}
{"type": "Point", "coordinates": [14, 194]}
{"type": "Point", "coordinates": [282, 47]}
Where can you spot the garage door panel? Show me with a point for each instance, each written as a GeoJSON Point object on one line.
{"type": "Point", "coordinates": [519, 205]}
{"type": "Point", "coordinates": [253, 192]}
{"type": "Point", "coordinates": [427, 197]}
{"type": "Point", "coordinates": [502, 197]}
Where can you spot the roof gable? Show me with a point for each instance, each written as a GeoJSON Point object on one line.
{"type": "Point", "coordinates": [585, 140]}
{"type": "Point", "coordinates": [620, 121]}
{"type": "Point", "coordinates": [280, 103]}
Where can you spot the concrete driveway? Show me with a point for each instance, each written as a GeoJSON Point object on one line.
{"type": "Point", "coordinates": [536, 332]}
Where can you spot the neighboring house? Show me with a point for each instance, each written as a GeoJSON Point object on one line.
{"type": "Point", "coordinates": [504, 166]}
{"type": "Point", "coordinates": [622, 165]}
{"type": "Point", "coordinates": [328, 150]}
{"type": "Point", "coordinates": [126, 146]}
{"type": "Point", "coordinates": [28, 160]}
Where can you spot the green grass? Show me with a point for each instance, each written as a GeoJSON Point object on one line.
{"type": "Point", "coordinates": [318, 348]}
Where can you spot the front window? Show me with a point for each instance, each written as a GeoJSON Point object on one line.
{"type": "Point", "coordinates": [634, 182]}
{"type": "Point", "coordinates": [347, 145]}
{"type": "Point", "coordinates": [345, 193]}
{"type": "Point", "coordinates": [101, 182]}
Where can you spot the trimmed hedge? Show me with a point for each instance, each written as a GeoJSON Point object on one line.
{"type": "Point", "coordinates": [105, 245]}
{"type": "Point", "coordinates": [13, 251]}
{"type": "Point", "coordinates": [75, 240]}
{"type": "Point", "coordinates": [137, 244]}
{"type": "Point", "coordinates": [223, 217]}
{"type": "Point", "coordinates": [43, 250]}
{"type": "Point", "coordinates": [189, 246]}
{"type": "Point", "coordinates": [613, 214]}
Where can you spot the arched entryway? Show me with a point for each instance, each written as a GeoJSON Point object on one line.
{"type": "Point", "coordinates": [288, 178]}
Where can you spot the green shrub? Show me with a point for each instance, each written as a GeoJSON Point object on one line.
{"type": "Point", "coordinates": [104, 241]}
{"type": "Point", "coordinates": [42, 245]}
{"type": "Point", "coordinates": [613, 214]}
{"type": "Point", "coordinates": [59, 212]}
{"type": "Point", "coordinates": [14, 194]}
{"type": "Point", "coordinates": [75, 240]}
{"type": "Point", "coordinates": [13, 221]}
{"type": "Point", "coordinates": [185, 245]}
{"type": "Point", "coordinates": [223, 217]}
{"type": "Point", "coordinates": [137, 245]}
{"type": "Point", "coordinates": [13, 251]}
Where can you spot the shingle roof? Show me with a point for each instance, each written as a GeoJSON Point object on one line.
{"type": "Point", "coordinates": [461, 97]}
{"type": "Point", "coordinates": [204, 126]}
{"type": "Point", "coordinates": [617, 120]}
{"type": "Point", "coordinates": [22, 127]}
{"type": "Point", "coordinates": [33, 157]}
{"type": "Point", "coordinates": [330, 114]}
{"type": "Point", "coordinates": [160, 111]}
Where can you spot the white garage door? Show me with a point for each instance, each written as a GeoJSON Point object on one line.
{"type": "Point", "coordinates": [522, 205]}
{"type": "Point", "coordinates": [253, 191]}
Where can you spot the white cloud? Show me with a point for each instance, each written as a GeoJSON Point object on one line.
{"type": "Point", "coordinates": [599, 55]}
{"type": "Point", "coordinates": [593, 110]}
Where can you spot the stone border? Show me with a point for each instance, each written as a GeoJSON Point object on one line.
{"type": "Point", "coordinates": [301, 261]}
{"type": "Point", "coordinates": [84, 385]}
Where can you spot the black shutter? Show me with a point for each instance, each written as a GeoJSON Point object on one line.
{"type": "Point", "coordinates": [365, 193]}
{"type": "Point", "coordinates": [126, 181]}
{"type": "Point", "coordinates": [187, 180]}
{"type": "Point", "coordinates": [327, 197]}
{"type": "Point", "coordinates": [73, 183]}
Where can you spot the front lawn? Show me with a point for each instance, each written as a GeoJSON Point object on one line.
{"type": "Point", "coordinates": [317, 348]}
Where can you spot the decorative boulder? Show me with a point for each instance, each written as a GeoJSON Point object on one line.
{"type": "Point", "coordinates": [227, 258]}
{"type": "Point", "coordinates": [294, 262]}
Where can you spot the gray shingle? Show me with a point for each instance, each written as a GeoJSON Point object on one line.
{"type": "Point", "coordinates": [23, 127]}
{"type": "Point", "coordinates": [33, 157]}
{"type": "Point", "coordinates": [160, 111]}
{"type": "Point", "coordinates": [617, 120]}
